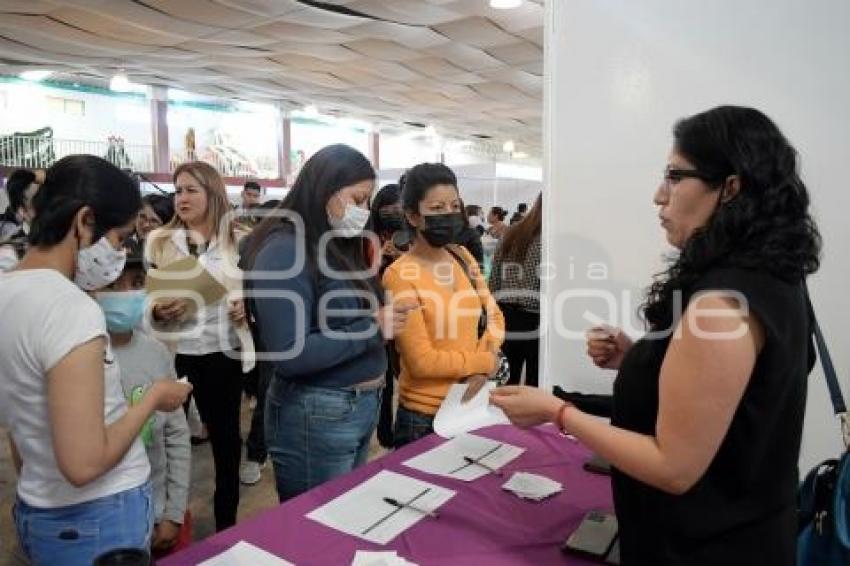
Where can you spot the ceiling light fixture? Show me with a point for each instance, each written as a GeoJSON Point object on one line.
{"type": "Point", "coordinates": [35, 76]}
{"type": "Point", "coordinates": [310, 111]}
{"type": "Point", "coordinates": [120, 83]}
{"type": "Point", "coordinates": [505, 4]}
{"type": "Point", "coordinates": [508, 146]}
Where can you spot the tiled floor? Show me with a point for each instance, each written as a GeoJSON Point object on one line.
{"type": "Point", "coordinates": [252, 499]}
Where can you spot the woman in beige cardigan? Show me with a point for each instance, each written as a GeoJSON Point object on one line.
{"type": "Point", "coordinates": [205, 337]}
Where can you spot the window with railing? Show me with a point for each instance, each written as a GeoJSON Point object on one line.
{"type": "Point", "coordinates": [238, 140]}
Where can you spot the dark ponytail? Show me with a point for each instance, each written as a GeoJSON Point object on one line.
{"type": "Point", "coordinates": [77, 181]}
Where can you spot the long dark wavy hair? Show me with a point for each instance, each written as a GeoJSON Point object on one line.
{"type": "Point", "coordinates": [765, 227]}
{"type": "Point", "coordinates": [330, 169]}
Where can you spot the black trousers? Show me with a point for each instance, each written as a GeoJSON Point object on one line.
{"type": "Point", "coordinates": [521, 350]}
{"type": "Point", "coordinates": [217, 386]}
{"type": "Point", "coordinates": [255, 445]}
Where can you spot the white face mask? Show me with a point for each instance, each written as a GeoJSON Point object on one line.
{"type": "Point", "coordinates": [352, 223]}
{"type": "Point", "coordinates": [99, 265]}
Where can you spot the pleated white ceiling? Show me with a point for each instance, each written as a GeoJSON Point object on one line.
{"type": "Point", "coordinates": [457, 64]}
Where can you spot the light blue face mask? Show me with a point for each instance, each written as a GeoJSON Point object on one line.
{"type": "Point", "coordinates": [123, 310]}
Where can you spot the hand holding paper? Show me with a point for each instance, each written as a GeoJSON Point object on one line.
{"type": "Point", "coordinates": [456, 416]}
{"type": "Point", "coordinates": [186, 280]}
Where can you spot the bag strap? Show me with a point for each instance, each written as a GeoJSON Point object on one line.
{"type": "Point", "coordinates": [832, 383]}
{"type": "Point", "coordinates": [482, 321]}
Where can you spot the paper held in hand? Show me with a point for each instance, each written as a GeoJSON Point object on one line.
{"type": "Point", "coordinates": [185, 278]}
{"type": "Point", "coordinates": [455, 417]}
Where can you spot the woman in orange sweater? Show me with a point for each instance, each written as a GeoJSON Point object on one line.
{"type": "Point", "coordinates": [457, 331]}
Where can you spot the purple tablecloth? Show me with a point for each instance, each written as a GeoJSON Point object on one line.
{"type": "Point", "coordinates": [481, 525]}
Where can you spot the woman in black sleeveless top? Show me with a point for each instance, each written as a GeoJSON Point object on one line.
{"type": "Point", "coordinates": [708, 406]}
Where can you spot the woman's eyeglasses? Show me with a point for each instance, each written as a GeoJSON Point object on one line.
{"type": "Point", "coordinates": [673, 176]}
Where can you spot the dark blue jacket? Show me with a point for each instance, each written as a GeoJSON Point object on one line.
{"type": "Point", "coordinates": [347, 348]}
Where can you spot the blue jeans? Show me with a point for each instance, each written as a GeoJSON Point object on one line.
{"type": "Point", "coordinates": [314, 434]}
{"type": "Point", "coordinates": [411, 426]}
{"type": "Point", "coordinates": [77, 534]}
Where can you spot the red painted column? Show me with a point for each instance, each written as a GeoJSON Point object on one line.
{"type": "Point", "coordinates": [159, 125]}
{"type": "Point", "coordinates": [375, 149]}
{"type": "Point", "coordinates": [284, 145]}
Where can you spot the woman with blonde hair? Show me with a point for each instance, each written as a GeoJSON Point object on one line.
{"type": "Point", "coordinates": [206, 340]}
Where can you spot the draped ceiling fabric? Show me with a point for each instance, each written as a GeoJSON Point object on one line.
{"type": "Point", "coordinates": [460, 65]}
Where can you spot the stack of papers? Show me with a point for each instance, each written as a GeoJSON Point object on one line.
{"type": "Point", "coordinates": [466, 457]}
{"type": "Point", "coordinates": [366, 558]}
{"type": "Point", "coordinates": [455, 418]}
{"type": "Point", "coordinates": [364, 511]}
{"type": "Point", "coordinates": [532, 486]}
{"type": "Point", "coordinates": [245, 554]}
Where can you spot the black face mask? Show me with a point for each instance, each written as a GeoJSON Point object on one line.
{"type": "Point", "coordinates": [392, 220]}
{"type": "Point", "coordinates": [442, 229]}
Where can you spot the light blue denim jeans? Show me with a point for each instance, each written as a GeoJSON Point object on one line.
{"type": "Point", "coordinates": [77, 534]}
{"type": "Point", "coordinates": [314, 434]}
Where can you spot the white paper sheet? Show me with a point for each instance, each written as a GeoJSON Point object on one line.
{"type": "Point", "coordinates": [363, 513]}
{"type": "Point", "coordinates": [455, 418]}
{"type": "Point", "coordinates": [448, 459]}
{"type": "Point", "coordinates": [390, 558]}
{"type": "Point", "coordinates": [532, 486]}
{"type": "Point", "coordinates": [245, 554]}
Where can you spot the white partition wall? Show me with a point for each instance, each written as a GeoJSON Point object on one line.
{"type": "Point", "coordinates": [619, 74]}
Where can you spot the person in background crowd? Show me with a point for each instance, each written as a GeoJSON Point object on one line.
{"type": "Point", "coordinates": [21, 187]}
{"type": "Point", "coordinates": [252, 194]}
{"type": "Point", "coordinates": [83, 484]}
{"type": "Point", "coordinates": [515, 282]}
{"type": "Point", "coordinates": [521, 210]}
{"type": "Point", "coordinates": [322, 405]}
{"type": "Point", "coordinates": [206, 341]}
{"type": "Point", "coordinates": [475, 215]}
{"type": "Point", "coordinates": [157, 210]}
{"type": "Point", "coordinates": [470, 238]}
{"type": "Point", "coordinates": [704, 438]}
{"type": "Point", "coordinates": [388, 223]}
{"type": "Point", "coordinates": [444, 341]}
{"type": "Point", "coordinates": [496, 220]}
{"type": "Point", "coordinates": [256, 386]}
{"type": "Point", "coordinates": [143, 361]}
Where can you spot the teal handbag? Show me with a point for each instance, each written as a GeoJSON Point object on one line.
{"type": "Point", "coordinates": [824, 497]}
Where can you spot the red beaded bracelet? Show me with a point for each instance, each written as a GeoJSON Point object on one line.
{"type": "Point", "coordinates": [559, 419]}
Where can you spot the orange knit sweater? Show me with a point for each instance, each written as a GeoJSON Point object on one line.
{"type": "Point", "coordinates": [439, 346]}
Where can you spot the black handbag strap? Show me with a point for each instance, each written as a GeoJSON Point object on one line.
{"type": "Point", "coordinates": [829, 372]}
{"type": "Point", "coordinates": [832, 384]}
{"type": "Point", "coordinates": [482, 320]}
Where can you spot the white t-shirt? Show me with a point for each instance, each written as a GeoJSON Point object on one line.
{"type": "Point", "coordinates": [46, 316]}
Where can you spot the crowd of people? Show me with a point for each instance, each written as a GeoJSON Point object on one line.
{"type": "Point", "coordinates": [346, 292]}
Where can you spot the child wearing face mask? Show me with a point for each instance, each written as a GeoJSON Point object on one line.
{"type": "Point", "coordinates": [448, 339]}
{"type": "Point", "coordinates": [166, 436]}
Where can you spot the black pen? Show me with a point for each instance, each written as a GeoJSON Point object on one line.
{"type": "Point", "coordinates": [400, 505]}
{"type": "Point", "coordinates": [475, 462]}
